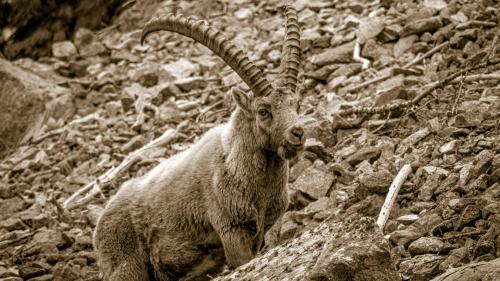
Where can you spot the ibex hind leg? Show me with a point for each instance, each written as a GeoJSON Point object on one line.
{"type": "Point", "coordinates": [184, 261]}
{"type": "Point", "coordinates": [120, 256]}
{"type": "Point", "coordinates": [131, 270]}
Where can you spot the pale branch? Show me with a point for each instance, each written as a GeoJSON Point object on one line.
{"type": "Point", "coordinates": [94, 188]}
{"type": "Point", "coordinates": [391, 195]}
{"type": "Point", "coordinates": [357, 57]}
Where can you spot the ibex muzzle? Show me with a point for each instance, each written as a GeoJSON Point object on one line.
{"type": "Point", "coordinates": [212, 203]}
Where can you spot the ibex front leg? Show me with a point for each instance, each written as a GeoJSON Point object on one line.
{"type": "Point", "coordinates": [240, 242]}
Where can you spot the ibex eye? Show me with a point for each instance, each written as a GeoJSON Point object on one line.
{"type": "Point", "coordinates": [263, 112]}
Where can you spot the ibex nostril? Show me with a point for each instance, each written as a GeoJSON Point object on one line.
{"type": "Point", "coordinates": [297, 132]}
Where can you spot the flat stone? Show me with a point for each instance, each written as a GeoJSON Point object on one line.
{"type": "Point", "coordinates": [64, 49]}
{"type": "Point", "coordinates": [405, 237]}
{"type": "Point", "coordinates": [412, 139]}
{"type": "Point", "coordinates": [391, 83]}
{"type": "Point", "coordinates": [10, 206]}
{"type": "Point", "coordinates": [455, 257]}
{"type": "Point", "coordinates": [347, 70]}
{"type": "Point", "coordinates": [336, 82]}
{"type": "Point", "coordinates": [181, 68]}
{"type": "Point", "coordinates": [365, 153]}
{"type": "Point", "coordinates": [322, 204]}
{"type": "Point", "coordinates": [426, 245]}
{"type": "Point", "coordinates": [339, 54]}
{"type": "Point", "coordinates": [243, 14]}
{"type": "Point", "coordinates": [435, 4]}
{"type": "Point", "coordinates": [485, 271]}
{"type": "Point", "coordinates": [407, 219]}
{"type": "Point", "coordinates": [421, 267]}
{"type": "Point", "coordinates": [378, 181]}
{"type": "Point", "coordinates": [390, 33]}
{"type": "Point", "coordinates": [191, 83]}
{"type": "Point", "coordinates": [315, 181]}
{"type": "Point", "coordinates": [298, 168]}
{"type": "Point", "coordinates": [448, 147]}
{"type": "Point", "coordinates": [32, 269]}
{"type": "Point", "coordinates": [421, 26]}
{"type": "Point", "coordinates": [12, 223]}
{"type": "Point", "coordinates": [426, 191]}
{"type": "Point", "coordinates": [123, 55]}
{"type": "Point", "coordinates": [466, 120]}
{"type": "Point", "coordinates": [404, 44]}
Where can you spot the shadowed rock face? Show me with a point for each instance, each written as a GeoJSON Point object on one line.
{"type": "Point", "coordinates": [27, 100]}
{"type": "Point", "coordinates": [32, 26]}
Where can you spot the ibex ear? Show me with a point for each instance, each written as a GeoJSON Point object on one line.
{"type": "Point", "coordinates": [242, 100]}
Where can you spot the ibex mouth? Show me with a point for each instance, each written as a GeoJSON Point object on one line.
{"type": "Point", "coordinates": [290, 150]}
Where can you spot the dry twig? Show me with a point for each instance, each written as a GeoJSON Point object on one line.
{"type": "Point", "coordinates": [94, 188]}
{"type": "Point", "coordinates": [428, 89]}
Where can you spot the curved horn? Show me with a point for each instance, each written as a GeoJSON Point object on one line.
{"type": "Point", "coordinates": [291, 53]}
{"type": "Point", "coordinates": [215, 41]}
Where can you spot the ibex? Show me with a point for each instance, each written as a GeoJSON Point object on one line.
{"type": "Point", "coordinates": [212, 203]}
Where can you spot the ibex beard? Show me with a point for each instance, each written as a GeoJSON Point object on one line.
{"type": "Point", "coordinates": [211, 204]}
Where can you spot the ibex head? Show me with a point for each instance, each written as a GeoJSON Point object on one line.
{"type": "Point", "coordinates": [272, 111]}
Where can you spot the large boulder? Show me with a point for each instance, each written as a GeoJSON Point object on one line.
{"type": "Point", "coordinates": [352, 248]}
{"type": "Point", "coordinates": [26, 102]}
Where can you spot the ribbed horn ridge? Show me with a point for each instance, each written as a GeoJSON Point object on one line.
{"type": "Point", "coordinates": [215, 41]}
{"type": "Point", "coordinates": [291, 53]}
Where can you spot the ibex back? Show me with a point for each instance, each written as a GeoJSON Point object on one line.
{"type": "Point", "coordinates": [213, 203]}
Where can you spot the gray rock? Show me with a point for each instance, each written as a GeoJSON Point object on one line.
{"type": "Point", "coordinates": [315, 181]}
{"type": "Point", "coordinates": [365, 257]}
{"type": "Point", "coordinates": [355, 249]}
{"type": "Point", "coordinates": [347, 70]}
{"type": "Point", "coordinates": [30, 100]}
{"type": "Point", "coordinates": [191, 83]}
{"type": "Point", "coordinates": [426, 191]}
{"type": "Point", "coordinates": [426, 245]}
{"type": "Point", "coordinates": [405, 236]}
{"type": "Point", "coordinates": [12, 223]}
{"type": "Point", "coordinates": [377, 182]}
{"type": "Point", "coordinates": [366, 153]}
{"type": "Point", "coordinates": [404, 44]}
{"type": "Point", "coordinates": [340, 54]}
{"type": "Point", "coordinates": [485, 271]}
{"type": "Point", "coordinates": [421, 26]}
{"type": "Point", "coordinates": [64, 49]}
{"type": "Point", "coordinates": [181, 68]}
{"type": "Point", "coordinates": [298, 168]}
{"type": "Point", "coordinates": [87, 44]}
{"type": "Point", "coordinates": [422, 267]}
{"type": "Point", "coordinates": [435, 4]}
{"type": "Point", "coordinates": [390, 33]}
{"type": "Point", "coordinates": [336, 82]}
{"type": "Point", "coordinates": [123, 55]}
{"type": "Point", "coordinates": [407, 219]}
{"type": "Point", "coordinates": [448, 147]}
{"type": "Point", "coordinates": [33, 269]}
